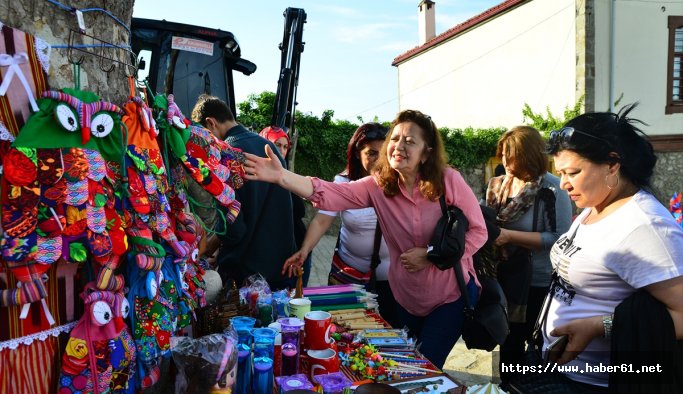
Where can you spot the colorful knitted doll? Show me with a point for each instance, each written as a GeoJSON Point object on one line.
{"type": "Point", "coordinates": [213, 164]}
{"type": "Point", "coordinates": [100, 355]}
{"type": "Point", "coordinates": [147, 176]}
{"type": "Point", "coordinates": [153, 318]}
{"type": "Point", "coordinates": [56, 190]}
{"type": "Point", "coordinates": [194, 287]}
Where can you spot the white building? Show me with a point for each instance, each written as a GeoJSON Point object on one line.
{"type": "Point", "coordinates": [549, 53]}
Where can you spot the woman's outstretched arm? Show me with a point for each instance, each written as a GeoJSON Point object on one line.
{"type": "Point", "coordinates": [269, 169]}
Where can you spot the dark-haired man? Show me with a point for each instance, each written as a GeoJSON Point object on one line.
{"type": "Point", "coordinates": [262, 236]}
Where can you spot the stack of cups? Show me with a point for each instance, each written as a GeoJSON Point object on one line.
{"type": "Point", "coordinates": [321, 348]}
{"type": "Point", "coordinates": [278, 348]}
{"type": "Point", "coordinates": [243, 326]}
{"type": "Point", "coordinates": [291, 345]}
{"type": "Point", "coordinates": [264, 354]}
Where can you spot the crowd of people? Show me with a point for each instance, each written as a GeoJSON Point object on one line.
{"type": "Point", "coordinates": [583, 281]}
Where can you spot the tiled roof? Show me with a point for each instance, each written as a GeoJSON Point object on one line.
{"type": "Point", "coordinates": [457, 29]}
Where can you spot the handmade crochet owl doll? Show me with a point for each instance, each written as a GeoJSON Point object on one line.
{"type": "Point", "coordinates": [100, 355]}
{"type": "Point", "coordinates": [56, 191]}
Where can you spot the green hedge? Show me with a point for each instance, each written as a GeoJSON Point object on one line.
{"type": "Point", "coordinates": [321, 149]}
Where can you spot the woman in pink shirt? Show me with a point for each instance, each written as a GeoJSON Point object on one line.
{"type": "Point", "coordinates": [409, 177]}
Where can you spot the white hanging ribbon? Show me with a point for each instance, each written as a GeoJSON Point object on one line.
{"type": "Point", "coordinates": [13, 62]}
{"type": "Point", "coordinates": [46, 310]}
{"type": "Point", "coordinates": [48, 315]}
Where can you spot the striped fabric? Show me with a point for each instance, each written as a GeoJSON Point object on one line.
{"type": "Point", "coordinates": [12, 327]}
{"type": "Point", "coordinates": [30, 369]}
{"type": "Point", "coordinates": [34, 368]}
{"type": "Point", "coordinates": [14, 106]}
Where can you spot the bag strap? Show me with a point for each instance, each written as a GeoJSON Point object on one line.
{"type": "Point", "coordinates": [542, 319]}
{"type": "Point", "coordinates": [444, 208]}
{"type": "Point", "coordinates": [375, 260]}
{"type": "Point", "coordinates": [535, 223]}
{"type": "Point", "coordinates": [469, 309]}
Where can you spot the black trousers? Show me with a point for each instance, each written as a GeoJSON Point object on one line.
{"type": "Point", "coordinates": [387, 303]}
{"type": "Point", "coordinates": [512, 351]}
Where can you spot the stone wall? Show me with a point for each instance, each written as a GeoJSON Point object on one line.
{"type": "Point", "coordinates": [476, 179]}
{"type": "Point", "coordinates": [585, 53]}
{"type": "Point", "coordinates": [668, 176]}
{"type": "Point", "coordinates": [53, 24]}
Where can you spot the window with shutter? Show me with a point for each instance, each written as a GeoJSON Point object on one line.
{"type": "Point", "coordinates": [674, 91]}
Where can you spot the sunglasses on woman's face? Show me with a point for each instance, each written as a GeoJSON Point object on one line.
{"type": "Point", "coordinates": [568, 135]}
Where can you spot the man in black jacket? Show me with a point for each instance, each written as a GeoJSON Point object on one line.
{"type": "Point", "coordinates": [262, 236]}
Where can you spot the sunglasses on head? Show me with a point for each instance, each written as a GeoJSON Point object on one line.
{"type": "Point", "coordinates": [375, 134]}
{"type": "Point", "coordinates": [568, 135]}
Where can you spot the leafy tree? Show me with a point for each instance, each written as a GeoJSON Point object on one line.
{"type": "Point", "coordinates": [545, 124]}
{"type": "Point", "coordinates": [257, 112]}
{"type": "Point", "coordinates": [468, 148]}
{"type": "Point", "coordinates": [321, 145]}
{"type": "Point", "coordinates": [321, 149]}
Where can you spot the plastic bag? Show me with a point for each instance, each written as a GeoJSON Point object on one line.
{"type": "Point", "coordinates": [255, 287]}
{"type": "Point", "coordinates": [280, 301]}
{"type": "Point", "coordinates": [205, 365]}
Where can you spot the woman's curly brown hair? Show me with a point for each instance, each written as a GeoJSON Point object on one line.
{"type": "Point", "coordinates": [431, 172]}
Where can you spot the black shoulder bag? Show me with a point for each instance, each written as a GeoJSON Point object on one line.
{"type": "Point", "coordinates": [486, 325]}
{"type": "Point", "coordinates": [374, 259]}
{"type": "Point", "coordinates": [447, 245]}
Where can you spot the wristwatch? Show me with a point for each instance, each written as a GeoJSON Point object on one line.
{"type": "Point", "coordinates": [607, 325]}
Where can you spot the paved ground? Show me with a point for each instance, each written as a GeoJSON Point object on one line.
{"type": "Point", "coordinates": [469, 366]}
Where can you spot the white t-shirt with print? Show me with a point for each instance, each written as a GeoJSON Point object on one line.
{"type": "Point", "coordinates": [357, 238]}
{"type": "Point", "coordinates": [603, 263]}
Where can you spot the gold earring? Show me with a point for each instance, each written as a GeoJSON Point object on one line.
{"type": "Point", "coordinates": [615, 185]}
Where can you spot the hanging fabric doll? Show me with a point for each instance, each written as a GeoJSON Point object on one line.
{"type": "Point", "coordinates": [187, 289]}
{"type": "Point", "coordinates": [122, 378]}
{"type": "Point", "coordinates": [147, 175]}
{"type": "Point", "coordinates": [170, 288]}
{"type": "Point", "coordinates": [154, 246]}
{"type": "Point", "coordinates": [213, 164]}
{"type": "Point", "coordinates": [153, 317]}
{"type": "Point", "coordinates": [55, 190]}
{"type": "Point", "coordinates": [100, 355]}
{"type": "Point", "coordinates": [189, 230]}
